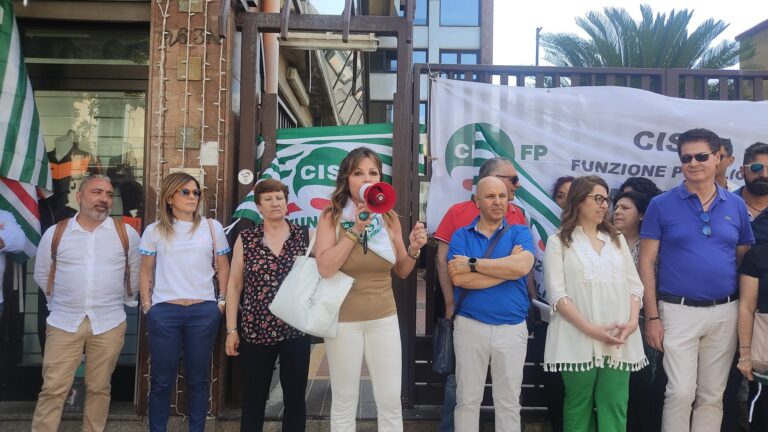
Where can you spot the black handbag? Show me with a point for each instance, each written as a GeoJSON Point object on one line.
{"type": "Point", "coordinates": [443, 356]}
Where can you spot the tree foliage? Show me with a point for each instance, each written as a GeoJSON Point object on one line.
{"type": "Point", "coordinates": [655, 41]}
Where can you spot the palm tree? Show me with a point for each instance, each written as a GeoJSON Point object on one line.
{"type": "Point", "coordinates": [660, 41]}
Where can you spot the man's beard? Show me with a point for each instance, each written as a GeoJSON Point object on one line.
{"type": "Point", "coordinates": [758, 186]}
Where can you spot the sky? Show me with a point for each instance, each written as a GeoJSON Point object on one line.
{"type": "Point", "coordinates": [515, 22]}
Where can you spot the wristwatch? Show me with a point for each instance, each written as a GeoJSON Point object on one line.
{"type": "Point", "coordinates": [472, 264]}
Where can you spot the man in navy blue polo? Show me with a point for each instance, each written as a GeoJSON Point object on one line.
{"type": "Point", "coordinates": [491, 306]}
{"type": "Point", "coordinates": [699, 231]}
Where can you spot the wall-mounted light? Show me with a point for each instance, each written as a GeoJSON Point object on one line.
{"type": "Point", "coordinates": [329, 40]}
{"type": "Point", "coordinates": [294, 80]}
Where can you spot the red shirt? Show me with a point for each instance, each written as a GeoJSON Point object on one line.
{"type": "Point", "coordinates": [463, 213]}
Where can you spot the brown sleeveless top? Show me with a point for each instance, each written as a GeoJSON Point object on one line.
{"type": "Point", "coordinates": [371, 295]}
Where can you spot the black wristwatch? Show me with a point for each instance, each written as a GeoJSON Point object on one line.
{"type": "Point", "coordinates": [472, 265]}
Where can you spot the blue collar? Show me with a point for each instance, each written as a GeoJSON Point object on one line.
{"type": "Point", "coordinates": [683, 193]}
{"type": "Point", "coordinates": [473, 225]}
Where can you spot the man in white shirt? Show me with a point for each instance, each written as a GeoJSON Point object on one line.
{"type": "Point", "coordinates": [86, 304]}
{"type": "Point", "coordinates": [11, 241]}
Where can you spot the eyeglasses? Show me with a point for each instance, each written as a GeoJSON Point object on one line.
{"type": "Point", "coordinates": [600, 199]}
{"type": "Point", "coordinates": [756, 167]}
{"type": "Point", "coordinates": [514, 179]}
{"type": "Point", "coordinates": [706, 229]}
{"type": "Point", "coordinates": [185, 192]}
{"type": "Point", "coordinates": [700, 157]}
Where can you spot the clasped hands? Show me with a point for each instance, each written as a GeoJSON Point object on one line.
{"type": "Point", "coordinates": [614, 334]}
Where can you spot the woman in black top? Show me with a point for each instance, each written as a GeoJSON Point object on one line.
{"type": "Point", "coordinates": [262, 258]}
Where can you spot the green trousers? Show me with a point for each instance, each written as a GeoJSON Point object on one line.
{"type": "Point", "coordinates": [597, 397]}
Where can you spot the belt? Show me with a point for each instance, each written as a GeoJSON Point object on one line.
{"type": "Point", "coordinates": [185, 302]}
{"type": "Point", "coordinates": [686, 301]}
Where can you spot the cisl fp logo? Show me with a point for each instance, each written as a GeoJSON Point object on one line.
{"type": "Point", "coordinates": [470, 146]}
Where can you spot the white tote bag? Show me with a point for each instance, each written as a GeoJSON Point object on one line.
{"type": "Point", "coordinates": [308, 302]}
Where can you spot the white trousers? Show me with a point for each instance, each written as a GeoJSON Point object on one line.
{"type": "Point", "coordinates": [379, 342]}
{"type": "Point", "coordinates": [476, 345]}
{"type": "Point", "coordinates": [699, 343]}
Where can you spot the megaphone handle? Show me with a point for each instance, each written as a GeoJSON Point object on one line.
{"type": "Point", "coordinates": [365, 242]}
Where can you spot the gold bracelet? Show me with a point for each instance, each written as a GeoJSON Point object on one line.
{"type": "Point", "coordinates": [351, 236]}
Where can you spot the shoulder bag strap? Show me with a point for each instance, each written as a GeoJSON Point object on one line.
{"type": "Point", "coordinates": [57, 234]}
{"type": "Point", "coordinates": [488, 252]}
{"type": "Point", "coordinates": [120, 227]}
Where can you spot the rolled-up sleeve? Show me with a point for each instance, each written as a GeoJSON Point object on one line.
{"type": "Point", "coordinates": [554, 272]}
{"type": "Point", "coordinates": [11, 233]}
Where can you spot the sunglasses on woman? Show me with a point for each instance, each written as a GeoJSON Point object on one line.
{"type": "Point", "coordinates": [514, 179]}
{"type": "Point", "coordinates": [700, 157]}
{"type": "Point", "coordinates": [756, 167]}
{"type": "Point", "coordinates": [186, 192]}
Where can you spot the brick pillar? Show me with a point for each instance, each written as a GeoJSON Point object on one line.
{"type": "Point", "coordinates": [189, 108]}
{"type": "Point", "coordinates": [185, 92]}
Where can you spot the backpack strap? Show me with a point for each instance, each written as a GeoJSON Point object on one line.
{"type": "Point", "coordinates": [57, 234]}
{"type": "Point", "coordinates": [121, 232]}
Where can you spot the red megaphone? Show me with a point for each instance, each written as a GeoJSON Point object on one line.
{"type": "Point", "coordinates": [379, 197]}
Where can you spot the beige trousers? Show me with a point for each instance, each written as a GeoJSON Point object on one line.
{"type": "Point", "coordinates": [699, 343]}
{"type": "Point", "coordinates": [476, 345]}
{"type": "Point", "coordinates": [63, 352]}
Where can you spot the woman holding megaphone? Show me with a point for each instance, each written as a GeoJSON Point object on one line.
{"type": "Point", "coordinates": [359, 234]}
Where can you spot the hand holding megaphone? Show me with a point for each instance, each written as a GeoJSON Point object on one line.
{"type": "Point", "coordinates": [378, 197]}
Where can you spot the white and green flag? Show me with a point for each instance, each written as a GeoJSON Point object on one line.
{"type": "Point", "coordinates": [307, 160]}
{"type": "Point", "coordinates": [23, 161]}
{"type": "Point", "coordinates": [613, 132]}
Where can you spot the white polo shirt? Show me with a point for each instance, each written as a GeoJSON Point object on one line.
{"type": "Point", "coordinates": [90, 267]}
{"type": "Point", "coordinates": [184, 263]}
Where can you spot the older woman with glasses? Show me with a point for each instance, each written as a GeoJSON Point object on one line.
{"type": "Point", "coordinates": [181, 253]}
{"type": "Point", "coordinates": [595, 293]}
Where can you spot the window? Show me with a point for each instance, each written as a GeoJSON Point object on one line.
{"type": "Point", "coordinates": [381, 112]}
{"type": "Point", "coordinates": [383, 61]}
{"type": "Point", "coordinates": [460, 13]}
{"type": "Point", "coordinates": [419, 56]}
{"type": "Point", "coordinates": [421, 13]}
{"type": "Point", "coordinates": [423, 113]}
{"type": "Point", "coordinates": [459, 57]}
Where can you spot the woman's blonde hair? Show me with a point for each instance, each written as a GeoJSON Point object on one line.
{"type": "Point", "coordinates": [580, 188]}
{"type": "Point", "coordinates": [170, 185]}
{"type": "Point", "coordinates": [342, 193]}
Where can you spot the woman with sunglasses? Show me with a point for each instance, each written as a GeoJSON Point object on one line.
{"type": "Point", "coordinates": [262, 257]}
{"type": "Point", "coordinates": [181, 254]}
{"type": "Point", "coordinates": [595, 293]}
{"type": "Point", "coordinates": [370, 248]}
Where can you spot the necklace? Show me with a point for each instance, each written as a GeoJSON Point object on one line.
{"type": "Point", "coordinates": [710, 198]}
{"type": "Point", "coordinates": [755, 208]}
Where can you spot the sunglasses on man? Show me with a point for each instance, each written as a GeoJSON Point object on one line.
{"type": "Point", "coordinates": [186, 192]}
{"type": "Point", "coordinates": [700, 157]}
{"type": "Point", "coordinates": [756, 167]}
{"type": "Point", "coordinates": [514, 179]}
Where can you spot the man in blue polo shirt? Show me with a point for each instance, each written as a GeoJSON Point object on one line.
{"type": "Point", "coordinates": [491, 306]}
{"type": "Point", "coordinates": [699, 231]}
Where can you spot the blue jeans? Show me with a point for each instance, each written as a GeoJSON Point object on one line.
{"type": "Point", "coordinates": [173, 328]}
{"type": "Point", "coordinates": [1, 310]}
{"type": "Point", "coordinates": [449, 404]}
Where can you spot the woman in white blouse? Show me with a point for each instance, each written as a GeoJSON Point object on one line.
{"type": "Point", "coordinates": [595, 293]}
{"type": "Point", "coordinates": [178, 297]}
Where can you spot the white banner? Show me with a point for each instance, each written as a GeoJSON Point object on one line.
{"type": "Point", "coordinates": [613, 132]}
